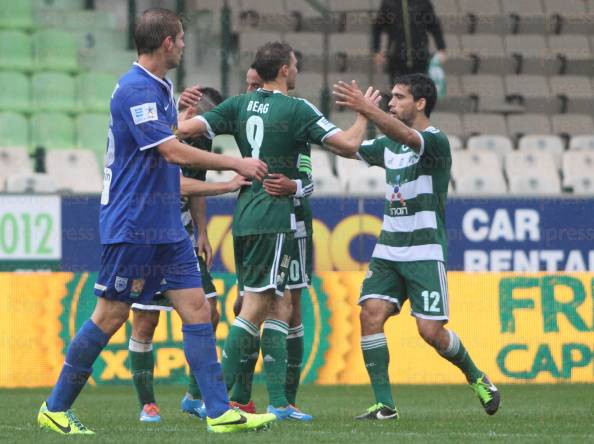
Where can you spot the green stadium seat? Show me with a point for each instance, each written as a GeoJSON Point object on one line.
{"type": "Point", "coordinates": [16, 52]}
{"type": "Point", "coordinates": [55, 50]}
{"type": "Point", "coordinates": [65, 5]}
{"type": "Point", "coordinates": [90, 39]}
{"type": "Point", "coordinates": [54, 91]}
{"type": "Point", "coordinates": [105, 60]}
{"type": "Point", "coordinates": [52, 130]}
{"type": "Point", "coordinates": [15, 94]}
{"type": "Point", "coordinates": [91, 129]}
{"type": "Point", "coordinates": [16, 14]}
{"type": "Point", "coordinates": [95, 90]}
{"type": "Point", "coordinates": [14, 130]}
{"type": "Point", "coordinates": [76, 20]}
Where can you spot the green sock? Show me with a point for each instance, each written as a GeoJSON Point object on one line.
{"type": "Point", "coordinates": [242, 389]}
{"type": "Point", "coordinates": [294, 362]}
{"type": "Point", "coordinates": [237, 345]}
{"type": "Point", "coordinates": [377, 360]}
{"type": "Point", "coordinates": [142, 365]}
{"type": "Point", "coordinates": [274, 350]}
{"type": "Point", "coordinates": [456, 353]}
{"type": "Point", "coordinates": [193, 389]}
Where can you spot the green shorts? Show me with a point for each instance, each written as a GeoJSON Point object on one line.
{"type": "Point", "coordinates": [262, 261]}
{"type": "Point", "coordinates": [162, 302]}
{"type": "Point", "coordinates": [424, 283]}
{"type": "Point", "coordinates": [301, 265]}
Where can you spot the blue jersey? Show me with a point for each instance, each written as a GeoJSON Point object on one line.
{"type": "Point", "coordinates": [141, 195]}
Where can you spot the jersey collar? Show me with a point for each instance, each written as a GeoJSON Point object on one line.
{"type": "Point", "coordinates": [276, 91]}
{"type": "Point", "coordinates": [165, 82]}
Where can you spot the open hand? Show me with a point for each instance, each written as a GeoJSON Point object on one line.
{"type": "Point", "coordinates": [189, 98]}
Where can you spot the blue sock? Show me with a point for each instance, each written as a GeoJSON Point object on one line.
{"type": "Point", "coordinates": [201, 354]}
{"type": "Point", "coordinates": [81, 354]}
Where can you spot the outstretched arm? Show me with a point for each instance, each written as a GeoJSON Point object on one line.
{"type": "Point", "coordinates": [352, 97]}
{"type": "Point", "coordinates": [184, 155]}
{"type": "Point", "coordinates": [194, 187]}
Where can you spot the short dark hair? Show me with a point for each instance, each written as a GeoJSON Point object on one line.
{"type": "Point", "coordinates": [210, 98]}
{"type": "Point", "coordinates": [269, 59]}
{"type": "Point", "coordinates": [154, 26]}
{"type": "Point", "coordinates": [421, 87]}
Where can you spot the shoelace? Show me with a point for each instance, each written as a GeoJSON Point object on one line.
{"type": "Point", "coordinates": [152, 409]}
{"type": "Point", "coordinates": [74, 419]}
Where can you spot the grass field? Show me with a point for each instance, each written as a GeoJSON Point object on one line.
{"type": "Point", "coordinates": [444, 414]}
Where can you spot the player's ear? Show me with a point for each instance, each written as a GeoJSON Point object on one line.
{"type": "Point", "coordinates": [421, 104]}
{"type": "Point", "coordinates": [284, 70]}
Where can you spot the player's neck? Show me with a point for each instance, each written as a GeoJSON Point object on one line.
{"type": "Point", "coordinates": [421, 123]}
{"type": "Point", "coordinates": [276, 85]}
{"type": "Point", "coordinates": [153, 64]}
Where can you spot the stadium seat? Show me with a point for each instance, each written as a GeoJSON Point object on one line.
{"type": "Point", "coordinates": [91, 131]}
{"type": "Point", "coordinates": [579, 143]}
{"type": "Point", "coordinates": [308, 48]}
{"type": "Point", "coordinates": [74, 170]}
{"type": "Point", "coordinates": [219, 176]}
{"type": "Point", "coordinates": [486, 54]}
{"type": "Point", "coordinates": [343, 120]}
{"type": "Point", "coordinates": [264, 15]}
{"type": "Point", "coordinates": [483, 15]}
{"type": "Point", "coordinates": [573, 53]}
{"type": "Point", "coordinates": [52, 130]}
{"type": "Point", "coordinates": [249, 42]}
{"type": "Point", "coordinates": [522, 124]}
{"type": "Point", "coordinates": [532, 183]}
{"type": "Point", "coordinates": [525, 16]}
{"type": "Point", "coordinates": [500, 145]}
{"type": "Point", "coordinates": [449, 123]}
{"type": "Point", "coordinates": [14, 130]}
{"type": "Point", "coordinates": [110, 61]}
{"type": "Point", "coordinates": [532, 92]}
{"type": "Point", "coordinates": [543, 143]}
{"type": "Point", "coordinates": [55, 50]}
{"type": "Point", "coordinates": [568, 125]}
{"type": "Point", "coordinates": [520, 163]}
{"type": "Point", "coordinates": [61, 5]}
{"type": "Point", "coordinates": [76, 19]}
{"type": "Point", "coordinates": [484, 124]}
{"type": "Point", "coordinates": [309, 86]}
{"type": "Point", "coordinates": [327, 184]}
{"type": "Point", "coordinates": [578, 171]}
{"type": "Point", "coordinates": [346, 168]}
{"type": "Point", "coordinates": [455, 143]}
{"type": "Point", "coordinates": [480, 183]}
{"type": "Point", "coordinates": [30, 183]}
{"type": "Point", "coordinates": [356, 15]}
{"type": "Point", "coordinates": [16, 51]}
{"type": "Point", "coordinates": [450, 16]}
{"type": "Point", "coordinates": [91, 39]}
{"type": "Point", "coordinates": [320, 161]}
{"type": "Point", "coordinates": [531, 54]}
{"type": "Point", "coordinates": [13, 161]}
{"type": "Point", "coordinates": [575, 93]}
{"type": "Point", "coordinates": [225, 144]}
{"type": "Point", "coordinates": [15, 92]}
{"type": "Point", "coordinates": [54, 91]}
{"type": "Point", "coordinates": [458, 60]}
{"type": "Point", "coordinates": [95, 90]}
{"type": "Point", "coordinates": [368, 182]}
{"type": "Point", "coordinates": [16, 14]}
{"type": "Point", "coordinates": [466, 162]}
{"type": "Point", "coordinates": [350, 52]}
{"type": "Point", "coordinates": [486, 90]}
{"type": "Point", "coordinates": [455, 100]}
{"type": "Point", "coordinates": [568, 16]}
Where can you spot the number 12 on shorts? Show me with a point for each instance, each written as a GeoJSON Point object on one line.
{"type": "Point", "coordinates": [431, 301]}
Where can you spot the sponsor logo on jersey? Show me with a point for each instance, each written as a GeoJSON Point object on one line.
{"type": "Point", "coordinates": [136, 287]}
{"type": "Point", "coordinates": [120, 283]}
{"type": "Point", "coordinates": [144, 113]}
{"type": "Point", "coordinates": [325, 124]}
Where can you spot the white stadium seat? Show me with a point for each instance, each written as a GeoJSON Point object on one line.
{"type": "Point", "coordinates": [31, 183]}
{"type": "Point", "coordinates": [327, 184]}
{"type": "Point", "coordinates": [578, 171]}
{"type": "Point", "coordinates": [543, 143]}
{"type": "Point", "coordinates": [74, 170]}
{"type": "Point", "coordinates": [501, 145]}
{"type": "Point", "coordinates": [481, 183]}
{"type": "Point", "coordinates": [467, 162]}
{"type": "Point", "coordinates": [578, 143]}
{"type": "Point", "coordinates": [13, 161]}
{"type": "Point", "coordinates": [369, 182]}
{"type": "Point", "coordinates": [534, 182]}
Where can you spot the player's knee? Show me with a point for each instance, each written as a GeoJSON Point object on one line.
{"type": "Point", "coordinates": [371, 318]}
{"type": "Point", "coordinates": [144, 324]}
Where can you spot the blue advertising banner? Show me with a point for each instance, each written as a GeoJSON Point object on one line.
{"type": "Point", "coordinates": [546, 234]}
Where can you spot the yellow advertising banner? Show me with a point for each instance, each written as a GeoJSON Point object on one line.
{"type": "Point", "coordinates": [518, 328]}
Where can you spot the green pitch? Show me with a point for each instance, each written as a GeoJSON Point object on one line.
{"type": "Point", "coordinates": [443, 414]}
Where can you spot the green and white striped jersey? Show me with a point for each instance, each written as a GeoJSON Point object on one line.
{"type": "Point", "coordinates": [416, 193]}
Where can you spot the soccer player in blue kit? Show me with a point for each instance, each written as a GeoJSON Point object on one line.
{"type": "Point", "coordinates": [145, 247]}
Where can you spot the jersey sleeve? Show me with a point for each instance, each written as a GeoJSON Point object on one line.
{"type": "Point", "coordinates": [312, 126]}
{"type": "Point", "coordinates": [220, 119]}
{"type": "Point", "coordinates": [145, 117]}
{"type": "Point", "coordinates": [435, 145]}
{"type": "Point", "coordinates": [372, 152]}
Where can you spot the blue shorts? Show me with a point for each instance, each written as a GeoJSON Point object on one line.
{"type": "Point", "coordinates": [133, 273]}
